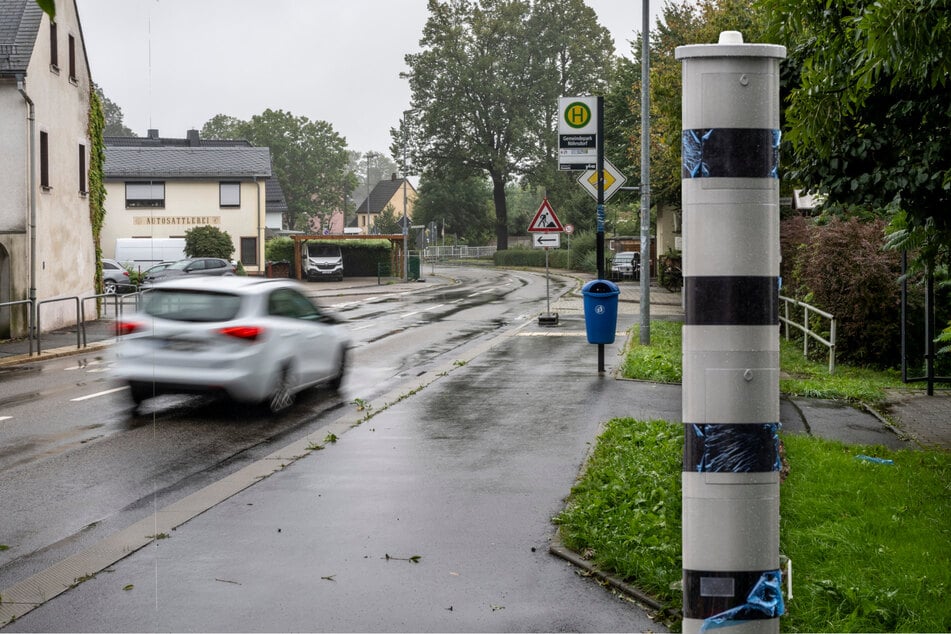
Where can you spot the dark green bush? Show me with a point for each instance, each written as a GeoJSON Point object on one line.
{"type": "Point", "coordinates": [208, 242]}
{"type": "Point", "coordinates": [279, 249]}
{"type": "Point", "coordinates": [841, 268]}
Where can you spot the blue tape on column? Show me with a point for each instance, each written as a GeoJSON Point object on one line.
{"type": "Point", "coordinates": [730, 153]}
{"type": "Point", "coordinates": [731, 448]}
{"type": "Point", "coordinates": [765, 601]}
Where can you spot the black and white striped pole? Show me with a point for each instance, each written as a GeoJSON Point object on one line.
{"type": "Point", "coordinates": [731, 570]}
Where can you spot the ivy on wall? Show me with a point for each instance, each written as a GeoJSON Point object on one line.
{"type": "Point", "coordinates": [97, 191]}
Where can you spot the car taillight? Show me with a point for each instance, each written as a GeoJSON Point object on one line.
{"type": "Point", "coordinates": [127, 327]}
{"type": "Point", "coordinates": [250, 333]}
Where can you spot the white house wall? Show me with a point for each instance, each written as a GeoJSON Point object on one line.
{"type": "Point", "coordinates": [188, 204]}
{"type": "Point", "coordinates": [65, 258]}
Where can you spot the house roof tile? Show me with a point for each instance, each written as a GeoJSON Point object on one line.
{"type": "Point", "coordinates": [19, 26]}
{"type": "Point", "coordinates": [382, 194]}
{"type": "Point", "coordinates": [187, 162]}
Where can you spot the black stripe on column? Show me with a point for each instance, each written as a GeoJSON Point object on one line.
{"type": "Point", "coordinates": [731, 301]}
{"type": "Point", "coordinates": [730, 153]}
{"type": "Point", "coordinates": [745, 595]}
{"type": "Point", "coordinates": [731, 448]}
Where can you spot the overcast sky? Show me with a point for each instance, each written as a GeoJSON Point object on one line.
{"type": "Point", "coordinates": [174, 64]}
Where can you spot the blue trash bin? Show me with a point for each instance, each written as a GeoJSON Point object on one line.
{"type": "Point", "coordinates": [600, 310]}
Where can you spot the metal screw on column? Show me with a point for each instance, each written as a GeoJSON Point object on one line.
{"type": "Point", "coordinates": [731, 570]}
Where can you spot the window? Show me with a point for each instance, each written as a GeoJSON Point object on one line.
{"type": "Point", "coordinates": [229, 194]}
{"type": "Point", "coordinates": [249, 251]}
{"type": "Point", "coordinates": [82, 169]}
{"type": "Point", "coordinates": [145, 195]}
{"type": "Point", "coordinates": [72, 58]}
{"type": "Point", "coordinates": [44, 160]}
{"type": "Point", "coordinates": [54, 48]}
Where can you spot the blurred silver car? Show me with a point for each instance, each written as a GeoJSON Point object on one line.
{"type": "Point", "coordinates": [253, 339]}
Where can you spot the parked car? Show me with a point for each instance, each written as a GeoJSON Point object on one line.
{"type": "Point", "coordinates": [191, 266]}
{"type": "Point", "coordinates": [323, 261]}
{"type": "Point", "coordinates": [115, 277]}
{"type": "Point", "coordinates": [255, 340]}
{"type": "Point", "coordinates": [155, 268]}
{"type": "Point", "coordinates": [626, 264]}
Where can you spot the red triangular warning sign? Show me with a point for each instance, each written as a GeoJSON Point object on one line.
{"type": "Point", "coordinates": [545, 220]}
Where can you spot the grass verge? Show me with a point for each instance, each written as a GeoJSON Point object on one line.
{"type": "Point", "coordinates": [800, 376]}
{"type": "Point", "coordinates": [870, 543]}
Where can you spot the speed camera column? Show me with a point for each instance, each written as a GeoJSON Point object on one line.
{"type": "Point", "coordinates": [731, 571]}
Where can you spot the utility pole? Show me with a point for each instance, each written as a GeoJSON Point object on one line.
{"type": "Point", "coordinates": [645, 326]}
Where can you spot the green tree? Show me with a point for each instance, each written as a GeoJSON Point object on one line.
{"type": "Point", "coordinates": [684, 22]}
{"type": "Point", "coordinates": [485, 87]}
{"type": "Point", "coordinates": [462, 207]}
{"type": "Point", "coordinates": [868, 122]}
{"type": "Point", "coordinates": [113, 116]}
{"type": "Point", "coordinates": [310, 160]}
{"type": "Point", "coordinates": [387, 222]}
{"type": "Point", "coordinates": [208, 242]}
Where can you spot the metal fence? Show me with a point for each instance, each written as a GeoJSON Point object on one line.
{"type": "Point", "coordinates": [449, 252]}
{"type": "Point", "coordinates": [806, 327]}
{"type": "Point", "coordinates": [114, 301]}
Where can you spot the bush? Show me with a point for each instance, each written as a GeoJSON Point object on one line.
{"type": "Point", "coordinates": [279, 249]}
{"type": "Point", "coordinates": [208, 242]}
{"type": "Point", "coordinates": [842, 269]}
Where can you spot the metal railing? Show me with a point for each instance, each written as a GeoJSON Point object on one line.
{"type": "Point", "coordinates": [456, 251]}
{"type": "Point", "coordinates": [118, 303]}
{"type": "Point", "coordinates": [30, 316]}
{"type": "Point", "coordinates": [806, 328]}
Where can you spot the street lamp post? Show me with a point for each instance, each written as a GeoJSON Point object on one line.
{"type": "Point", "coordinates": [406, 114]}
{"type": "Point", "coordinates": [367, 224]}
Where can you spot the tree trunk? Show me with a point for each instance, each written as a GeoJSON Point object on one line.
{"type": "Point", "coordinates": [501, 212]}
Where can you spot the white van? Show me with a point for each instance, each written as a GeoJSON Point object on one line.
{"type": "Point", "coordinates": [323, 261]}
{"type": "Point", "coordinates": [145, 252]}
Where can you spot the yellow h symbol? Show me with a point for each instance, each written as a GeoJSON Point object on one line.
{"type": "Point", "coordinates": [577, 114]}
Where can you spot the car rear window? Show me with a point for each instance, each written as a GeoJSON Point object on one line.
{"type": "Point", "coordinates": [181, 305]}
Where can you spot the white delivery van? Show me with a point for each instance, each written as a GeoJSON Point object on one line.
{"type": "Point", "coordinates": [145, 252]}
{"type": "Point", "coordinates": [323, 261]}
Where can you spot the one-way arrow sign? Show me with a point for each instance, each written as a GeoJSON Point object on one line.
{"type": "Point", "coordinates": [547, 240]}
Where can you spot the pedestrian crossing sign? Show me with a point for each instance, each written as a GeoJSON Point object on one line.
{"type": "Point", "coordinates": [545, 220]}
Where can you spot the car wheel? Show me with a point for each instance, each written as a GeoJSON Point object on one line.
{"type": "Point", "coordinates": [109, 286]}
{"type": "Point", "coordinates": [283, 395]}
{"type": "Point", "coordinates": [140, 392]}
{"type": "Point", "coordinates": [337, 381]}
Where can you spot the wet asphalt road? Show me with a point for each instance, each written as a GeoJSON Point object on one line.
{"type": "Point", "coordinates": [465, 473]}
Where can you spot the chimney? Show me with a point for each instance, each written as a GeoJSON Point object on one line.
{"type": "Point", "coordinates": [193, 139]}
{"type": "Point", "coordinates": [153, 133]}
{"type": "Point", "coordinates": [393, 177]}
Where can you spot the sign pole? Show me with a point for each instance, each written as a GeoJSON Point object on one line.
{"type": "Point", "coordinates": [600, 234]}
{"type": "Point", "coordinates": [546, 232]}
{"type": "Point", "coordinates": [547, 285]}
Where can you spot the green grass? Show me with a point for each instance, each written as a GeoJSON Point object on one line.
{"type": "Point", "coordinates": [870, 543]}
{"type": "Point", "coordinates": [800, 376]}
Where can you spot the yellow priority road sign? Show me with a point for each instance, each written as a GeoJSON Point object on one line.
{"type": "Point", "coordinates": [613, 180]}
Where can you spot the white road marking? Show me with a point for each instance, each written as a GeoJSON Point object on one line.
{"type": "Point", "coordinates": [97, 394]}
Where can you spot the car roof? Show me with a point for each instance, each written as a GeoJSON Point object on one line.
{"type": "Point", "coordinates": [229, 283]}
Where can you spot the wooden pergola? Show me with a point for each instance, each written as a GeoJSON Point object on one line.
{"type": "Point", "coordinates": [397, 247]}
